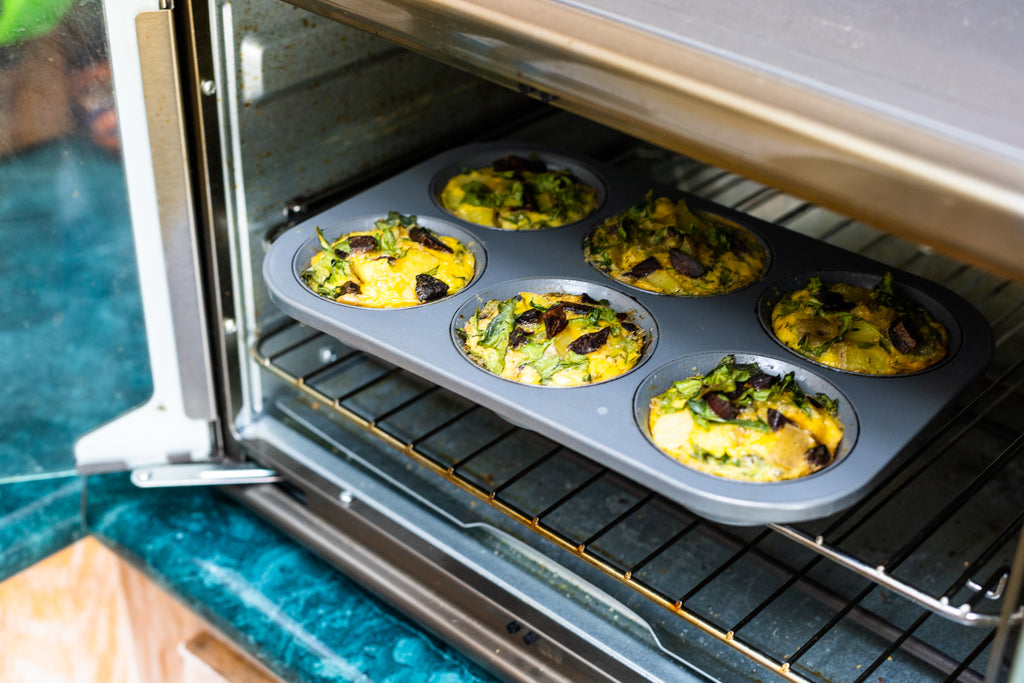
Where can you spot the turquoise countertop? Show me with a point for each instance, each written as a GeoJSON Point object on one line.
{"type": "Point", "coordinates": [297, 614]}
{"type": "Point", "coordinates": [72, 355]}
{"type": "Point", "coordinates": [279, 602]}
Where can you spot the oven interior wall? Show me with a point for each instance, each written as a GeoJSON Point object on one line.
{"type": "Point", "coordinates": [311, 111]}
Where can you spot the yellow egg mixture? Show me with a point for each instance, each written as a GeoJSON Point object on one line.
{"type": "Point", "coordinates": [553, 339]}
{"type": "Point", "coordinates": [661, 246]}
{"type": "Point", "coordinates": [398, 263]}
{"type": "Point", "coordinates": [859, 329]}
{"type": "Point", "coordinates": [740, 423]}
{"type": "Point", "coordinates": [517, 193]}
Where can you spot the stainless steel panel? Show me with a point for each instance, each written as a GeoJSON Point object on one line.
{"type": "Point", "coordinates": [161, 84]}
{"type": "Point", "coordinates": [905, 118]}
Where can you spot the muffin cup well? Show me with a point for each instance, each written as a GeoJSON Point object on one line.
{"type": "Point", "coordinates": [777, 290]}
{"type": "Point", "coordinates": [335, 231]}
{"type": "Point", "coordinates": [620, 302]}
{"type": "Point", "coordinates": [661, 379]}
{"type": "Point", "coordinates": [553, 160]}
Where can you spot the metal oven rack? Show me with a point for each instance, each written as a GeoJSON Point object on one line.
{"type": "Point", "coordinates": [938, 534]}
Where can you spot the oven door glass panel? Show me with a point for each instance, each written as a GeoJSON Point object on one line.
{"type": "Point", "coordinates": [73, 351]}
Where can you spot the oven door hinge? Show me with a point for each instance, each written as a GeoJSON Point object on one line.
{"type": "Point", "coordinates": [202, 474]}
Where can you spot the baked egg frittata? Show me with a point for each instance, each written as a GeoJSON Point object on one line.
{"type": "Point", "coordinates": [398, 263]}
{"type": "Point", "coordinates": [519, 193]}
{"type": "Point", "coordinates": [742, 423]}
{"type": "Point", "coordinates": [661, 246]}
{"type": "Point", "coordinates": [557, 339]}
{"type": "Point", "coordinates": [859, 329]}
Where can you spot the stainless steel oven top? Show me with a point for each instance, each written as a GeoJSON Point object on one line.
{"type": "Point", "coordinates": [903, 117]}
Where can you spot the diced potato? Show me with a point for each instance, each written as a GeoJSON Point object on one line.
{"type": "Point", "coordinates": [671, 431]}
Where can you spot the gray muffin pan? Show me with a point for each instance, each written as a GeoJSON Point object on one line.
{"type": "Point", "coordinates": [607, 421]}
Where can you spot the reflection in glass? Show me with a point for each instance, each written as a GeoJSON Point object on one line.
{"type": "Point", "coordinates": [72, 342]}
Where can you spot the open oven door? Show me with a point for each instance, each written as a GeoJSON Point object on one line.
{"type": "Point", "coordinates": [103, 313]}
{"type": "Point", "coordinates": [176, 423]}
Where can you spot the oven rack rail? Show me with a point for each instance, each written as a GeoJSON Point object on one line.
{"type": "Point", "coordinates": [457, 469]}
{"type": "Point", "coordinates": [979, 585]}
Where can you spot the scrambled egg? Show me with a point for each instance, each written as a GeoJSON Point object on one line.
{"type": "Point", "coordinates": [558, 340]}
{"type": "Point", "coordinates": [740, 423]}
{"type": "Point", "coordinates": [661, 246]}
{"type": "Point", "coordinates": [515, 193]}
{"type": "Point", "coordinates": [398, 263]}
{"type": "Point", "coordinates": [871, 331]}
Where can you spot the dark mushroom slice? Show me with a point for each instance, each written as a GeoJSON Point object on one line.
{"type": "Point", "coordinates": [429, 288]}
{"type": "Point", "coordinates": [737, 245]}
{"type": "Point", "coordinates": [587, 299]}
{"type": "Point", "coordinates": [554, 320]}
{"type": "Point", "coordinates": [349, 288]}
{"type": "Point", "coordinates": [588, 343]}
{"type": "Point", "coordinates": [387, 257]}
{"type": "Point", "coordinates": [518, 164]}
{"type": "Point", "coordinates": [529, 202]}
{"type": "Point", "coordinates": [518, 337]}
{"type": "Point", "coordinates": [428, 239]}
{"type": "Point", "coordinates": [901, 335]}
{"type": "Point", "coordinates": [761, 380]}
{"type": "Point", "coordinates": [360, 243]}
{"type": "Point", "coordinates": [579, 309]}
{"type": "Point", "coordinates": [686, 264]}
{"type": "Point", "coordinates": [644, 268]}
{"type": "Point", "coordinates": [529, 318]}
{"type": "Point", "coordinates": [777, 420]}
{"type": "Point", "coordinates": [341, 254]}
{"type": "Point", "coordinates": [833, 301]}
{"type": "Point", "coordinates": [721, 406]}
{"type": "Point", "coordinates": [629, 327]}
{"type": "Point", "coordinates": [818, 456]}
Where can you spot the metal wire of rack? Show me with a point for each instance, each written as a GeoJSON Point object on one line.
{"type": "Point", "coordinates": [539, 484]}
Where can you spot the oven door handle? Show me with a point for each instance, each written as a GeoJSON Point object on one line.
{"type": "Point", "coordinates": [202, 474]}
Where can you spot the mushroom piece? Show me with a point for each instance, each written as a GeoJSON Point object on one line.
{"type": "Point", "coordinates": [686, 264]}
{"type": "Point", "coordinates": [588, 343]}
{"type": "Point", "coordinates": [518, 337]}
{"type": "Point", "coordinates": [579, 309]}
{"type": "Point", "coordinates": [349, 288]}
{"type": "Point", "coordinates": [901, 336]}
{"type": "Point", "coordinates": [554, 320]}
{"type": "Point", "coordinates": [428, 240]}
{"type": "Point", "coordinates": [832, 301]}
{"type": "Point", "coordinates": [721, 406]}
{"type": "Point", "coordinates": [360, 243]}
{"type": "Point", "coordinates": [429, 288]}
{"type": "Point", "coordinates": [529, 318]}
{"type": "Point", "coordinates": [644, 268]}
{"type": "Point", "coordinates": [761, 380]}
{"type": "Point", "coordinates": [777, 420]}
{"type": "Point", "coordinates": [819, 456]}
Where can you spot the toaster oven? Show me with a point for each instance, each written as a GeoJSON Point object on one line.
{"type": "Point", "coordinates": [866, 131]}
